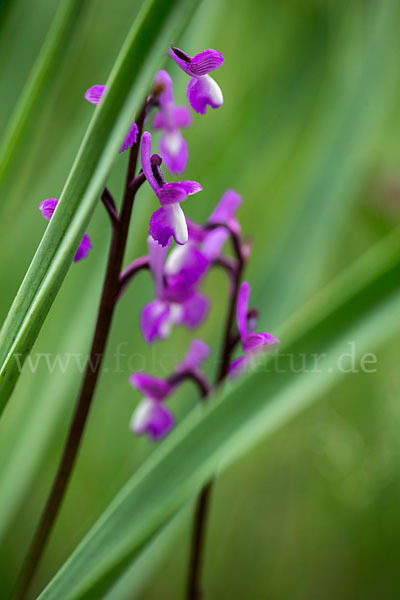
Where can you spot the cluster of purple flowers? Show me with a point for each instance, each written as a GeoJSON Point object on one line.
{"type": "Point", "coordinates": [178, 271]}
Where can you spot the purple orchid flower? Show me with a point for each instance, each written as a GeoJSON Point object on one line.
{"type": "Point", "coordinates": [186, 265]}
{"type": "Point", "coordinates": [168, 220]}
{"type": "Point", "coordinates": [47, 208]}
{"type": "Point", "coordinates": [253, 344]}
{"type": "Point", "coordinates": [177, 300]}
{"type": "Point", "coordinates": [151, 417]}
{"type": "Point", "coordinates": [202, 90]}
{"type": "Point", "coordinates": [93, 95]}
{"type": "Point", "coordinates": [170, 119]}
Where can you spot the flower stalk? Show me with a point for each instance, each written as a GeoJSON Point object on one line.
{"type": "Point", "coordinates": [111, 287]}
{"type": "Point", "coordinates": [200, 519]}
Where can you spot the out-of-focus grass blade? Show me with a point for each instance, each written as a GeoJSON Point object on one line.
{"type": "Point", "coordinates": [131, 583]}
{"type": "Point", "coordinates": [47, 60]}
{"type": "Point", "coordinates": [334, 170]}
{"type": "Point", "coordinates": [4, 7]}
{"type": "Point", "coordinates": [361, 307]}
{"type": "Point", "coordinates": [159, 22]}
{"type": "Point", "coordinates": [23, 448]}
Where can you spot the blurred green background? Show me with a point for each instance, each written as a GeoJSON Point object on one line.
{"type": "Point", "coordinates": [308, 134]}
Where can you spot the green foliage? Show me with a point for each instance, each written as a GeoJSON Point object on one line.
{"type": "Point", "coordinates": [308, 135]}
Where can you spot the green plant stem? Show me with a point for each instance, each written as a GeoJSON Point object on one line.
{"type": "Point", "coordinates": [103, 325]}
{"type": "Point", "coordinates": [200, 519]}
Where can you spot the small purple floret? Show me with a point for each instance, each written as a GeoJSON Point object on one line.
{"type": "Point", "coordinates": [170, 119]}
{"type": "Point", "coordinates": [131, 138]}
{"type": "Point", "coordinates": [253, 344]}
{"type": "Point", "coordinates": [168, 221]}
{"type": "Point", "coordinates": [202, 90]}
{"type": "Point", "coordinates": [47, 208]}
{"type": "Point", "coordinates": [95, 93]}
{"type": "Point", "coordinates": [151, 417]}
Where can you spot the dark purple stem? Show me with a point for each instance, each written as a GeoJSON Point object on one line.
{"type": "Point", "coordinates": [110, 206]}
{"type": "Point", "coordinates": [84, 401]}
{"type": "Point", "coordinates": [129, 273]}
{"type": "Point", "coordinates": [193, 590]}
{"type": "Point", "coordinates": [193, 375]}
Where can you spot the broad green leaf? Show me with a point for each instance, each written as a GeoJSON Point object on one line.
{"type": "Point", "coordinates": [158, 23]}
{"type": "Point", "coordinates": [47, 60]}
{"type": "Point", "coordinates": [361, 307]}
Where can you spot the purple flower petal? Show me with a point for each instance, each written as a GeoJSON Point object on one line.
{"type": "Point", "coordinates": [47, 208]}
{"type": "Point", "coordinates": [169, 221]}
{"type": "Point", "coordinates": [196, 355]}
{"type": "Point", "coordinates": [170, 193]}
{"type": "Point", "coordinates": [199, 65]}
{"type": "Point", "coordinates": [157, 255]}
{"type": "Point", "coordinates": [214, 242]}
{"type": "Point", "coordinates": [196, 232]}
{"type": "Point", "coordinates": [130, 138]}
{"type": "Point", "coordinates": [84, 247]}
{"type": "Point", "coordinates": [182, 117]}
{"type": "Point", "coordinates": [164, 81]}
{"type": "Point", "coordinates": [152, 418]}
{"type": "Point", "coordinates": [158, 121]}
{"type": "Point", "coordinates": [155, 321]}
{"type": "Point", "coordinates": [178, 117]}
{"type": "Point", "coordinates": [173, 148]}
{"type": "Point", "coordinates": [242, 308]}
{"type": "Point", "coordinates": [190, 187]}
{"type": "Point", "coordinates": [206, 61]}
{"type": "Point", "coordinates": [95, 93]}
{"type": "Point", "coordinates": [204, 91]}
{"type": "Point", "coordinates": [260, 342]}
{"type": "Point", "coordinates": [151, 387]}
{"type": "Point", "coordinates": [194, 310]}
{"type": "Point", "coordinates": [185, 266]}
{"type": "Point", "coordinates": [226, 208]}
{"type": "Point", "coordinates": [145, 155]}
{"type": "Point", "coordinates": [238, 366]}
{"type": "Point", "coordinates": [183, 60]}
{"type": "Point", "coordinates": [224, 213]}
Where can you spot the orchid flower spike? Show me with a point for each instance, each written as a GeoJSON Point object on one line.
{"type": "Point", "coordinates": [151, 417]}
{"type": "Point", "coordinates": [47, 208]}
{"type": "Point", "coordinates": [168, 220]}
{"type": "Point", "coordinates": [177, 301]}
{"type": "Point", "coordinates": [253, 343]}
{"type": "Point", "coordinates": [170, 119]}
{"type": "Point", "coordinates": [93, 95]}
{"type": "Point", "coordinates": [202, 90]}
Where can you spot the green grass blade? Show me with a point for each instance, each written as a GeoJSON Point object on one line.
{"type": "Point", "coordinates": [159, 22]}
{"type": "Point", "coordinates": [362, 306]}
{"type": "Point", "coordinates": [47, 60]}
